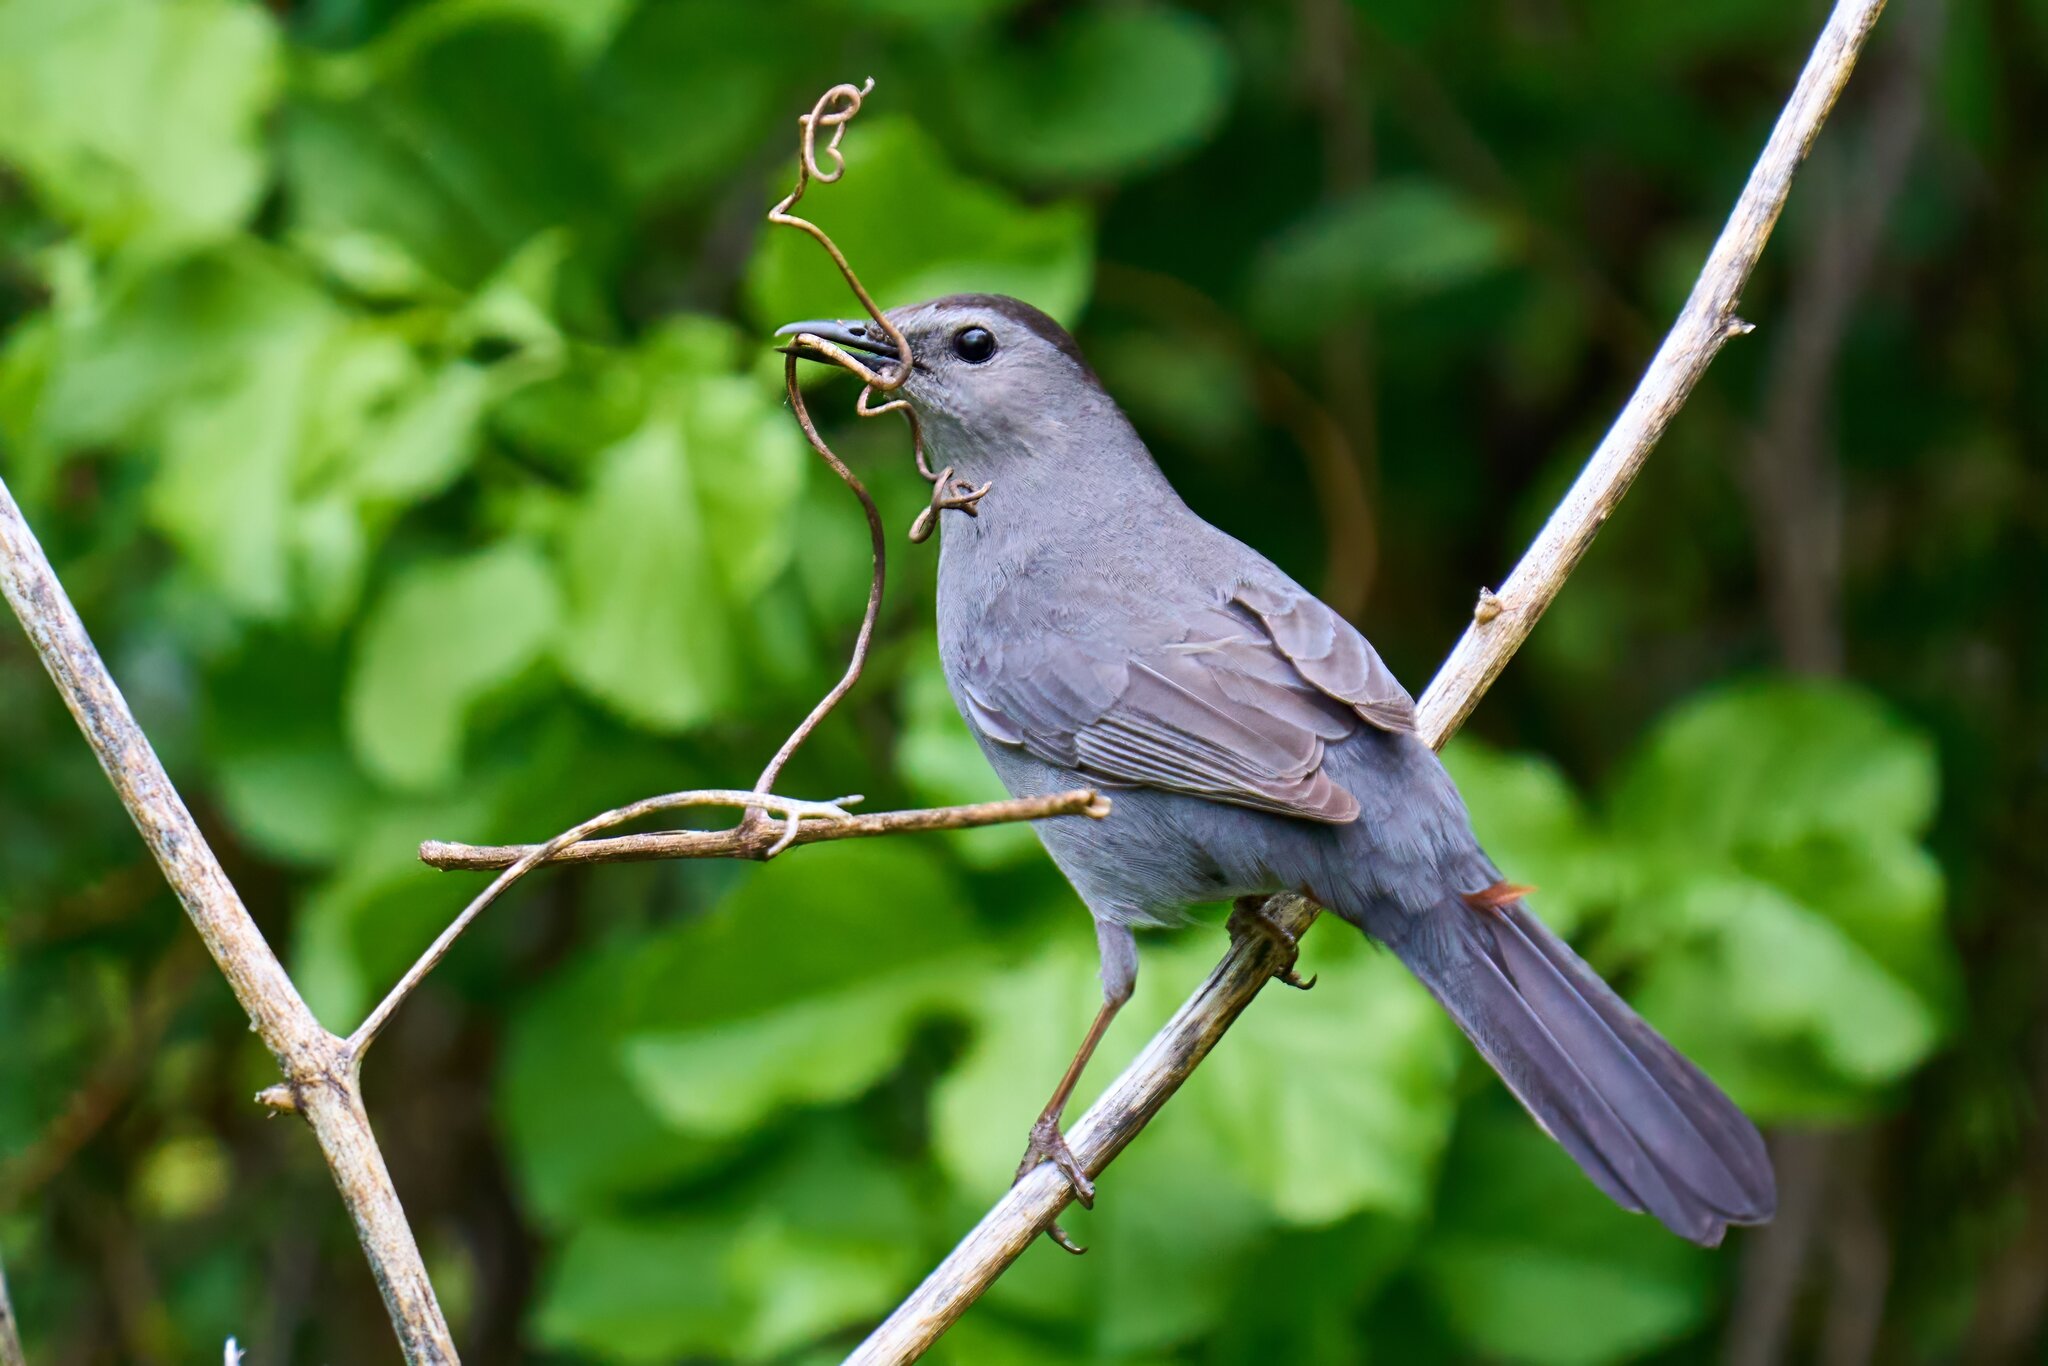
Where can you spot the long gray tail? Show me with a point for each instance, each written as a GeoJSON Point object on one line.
{"type": "Point", "coordinates": [1646, 1125]}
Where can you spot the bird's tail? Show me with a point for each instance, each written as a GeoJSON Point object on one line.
{"type": "Point", "coordinates": [1646, 1125]}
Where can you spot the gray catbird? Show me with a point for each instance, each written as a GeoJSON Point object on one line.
{"type": "Point", "coordinates": [1096, 632]}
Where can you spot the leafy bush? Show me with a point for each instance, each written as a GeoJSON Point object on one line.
{"type": "Point", "coordinates": [388, 381]}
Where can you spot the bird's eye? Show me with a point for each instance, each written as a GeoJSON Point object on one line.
{"type": "Point", "coordinates": [974, 344]}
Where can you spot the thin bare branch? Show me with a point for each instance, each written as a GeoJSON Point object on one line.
{"type": "Point", "coordinates": [833, 110]}
{"type": "Point", "coordinates": [792, 811]}
{"type": "Point", "coordinates": [1502, 622]}
{"type": "Point", "coordinates": [743, 842]}
{"type": "Point", "coordinates": [1504, 619]}
{"type": "Point", "coordinates": [11, 1353]}
{"type": "Point", "coordinates": [314, 1062]}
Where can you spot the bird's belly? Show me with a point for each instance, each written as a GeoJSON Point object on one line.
{"type": "Point", "coordinates": [1158, 852]}
{"type": "Point", "coordinates": [1153, 856]}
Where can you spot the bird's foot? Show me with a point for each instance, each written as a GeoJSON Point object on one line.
{"type": "Point", "coordinates": [1048, 1144]}
{"type": "Point", "coordinates": [1250, 917]}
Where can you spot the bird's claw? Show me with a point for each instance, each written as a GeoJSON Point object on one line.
{"type": "Point", "coordinates": [1060, 1236]}
{"type": "Point", "coordinates": [1048, 1144]}
{"type": "Point", "coordinates": [1248, 917]}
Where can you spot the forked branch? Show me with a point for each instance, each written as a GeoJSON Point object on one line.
{"type": "Point", "coordinates": [1501, 622]}
{"type": "Point", "coordinates": [321, 1071]}
{"type": "Point", "coordinates": [315, 1064]}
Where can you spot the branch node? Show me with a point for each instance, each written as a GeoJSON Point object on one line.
{"type": "Point", "coordinates": [795, 812]}
{"type": "Point", "coordinates": [1738, 327]}
{"type": "Point", "coordinates": [282, 1099]}
{"type": "Point", "coordinates": [1488, 607]}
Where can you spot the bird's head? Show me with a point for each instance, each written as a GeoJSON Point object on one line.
{"type": "Point", "coordinates": [987, 371]}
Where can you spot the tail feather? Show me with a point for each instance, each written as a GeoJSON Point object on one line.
{"type": "Point", "coordinates": [1647, 1126]}
{"type": "Point", "coordinates": [1752, 1196]}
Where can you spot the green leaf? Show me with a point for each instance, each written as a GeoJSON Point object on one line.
{"type": "Point", "coordinates": [1399, 240]}
{"type": "Point", "coordinates": [1324, 1104]}
{"type": "Point", "coordinates": [428, 440]}
{"type": "Point", "coordinates": [1771, 762]}
{"type": "Point", "coordinates": [1314, 1107]}
{"type": "Point", "coordinates": [918, 229]}
{"type": "Point", "coordinates": [850, 983]}
{"type": "Point", "coordinates": [451, 154]}
{"type": "Point", "coordinates": [752, 471]}
{"type": "Point", "coordinates": [1336, 1101]}
{"type": "Point", "coordinates": [296, 799]}
{"type": "Point", "coordinates": [686, 524]}
{"type": "Point", "coordinates": [822, 1241]}
{"type": "Point", "coordinates": [1174, 1216]}
{"type": "Point", "coordinates": [691, 87]}
{"type": "Point", "coordinates": [446, 635]}
{"type": "Point", "coordinates": [648, 631]}
{"type": "Point", "coordinates": [284, 434]}
{"type": "Point", "coordinates": [582, 1138]}
{"type": "Point", "coordinates": [1777, 1002]}
{"type": "Point", "coordinates": [1531, 1263]}
{"type": "Point", "coordinates": [583, 26]}
{"type": "Point", "coordinates": [1100, 93]}
{"type": "Point", "coordinates": [1789, 922]}
{"type": "Point", "coordinates": [210, 367]}
{"type": "Point", "coordinates": [137, 120]}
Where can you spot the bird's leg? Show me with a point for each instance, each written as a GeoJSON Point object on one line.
{"type": "Point", "coordinates": [1248, 917]}
{"type": "Point", "coordinates": [1047, 1142]}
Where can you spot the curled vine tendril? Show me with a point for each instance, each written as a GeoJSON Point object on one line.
{"type": "Point", "coordinates": [833, 111]}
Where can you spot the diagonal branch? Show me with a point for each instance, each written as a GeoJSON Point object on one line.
{"type": "Point", "coordinates": [1500, 624]}
{"type": "Point", "coordinates": [314, 1062]}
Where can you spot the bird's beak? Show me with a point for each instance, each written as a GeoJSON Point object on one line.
{"type": "Point", "coordinates": [864, 337]}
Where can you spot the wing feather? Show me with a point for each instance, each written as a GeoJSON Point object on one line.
{"type": "Point", "coordinates": [1237, 702]}
{"type": "Point", "coordinates": [1330, 653]}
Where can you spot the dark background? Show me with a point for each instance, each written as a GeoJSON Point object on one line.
{"type": "Point", "coordinates": [388, 381]}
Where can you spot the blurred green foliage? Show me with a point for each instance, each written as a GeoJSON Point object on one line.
{"type": "Point", "coordinates": [388, 381]}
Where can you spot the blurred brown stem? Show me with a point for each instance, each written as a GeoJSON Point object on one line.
{"type": "Point", "coordinates": [112, 1079]}
{"type": "Point", "coordinates": [1335, 467]}
{"type": "Point", "coordinates": [1500, 625]}
{"type": "Point", "coordinates": [1793, 480]}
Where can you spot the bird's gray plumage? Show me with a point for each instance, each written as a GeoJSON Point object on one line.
{"type": "Point", "coordinates": [1095, 631]}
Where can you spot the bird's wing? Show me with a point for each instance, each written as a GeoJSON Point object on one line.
{"type": "Point", "coordinates": [1329, 652]}
{"type": "Point", "coordinates": [1239, 708]}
